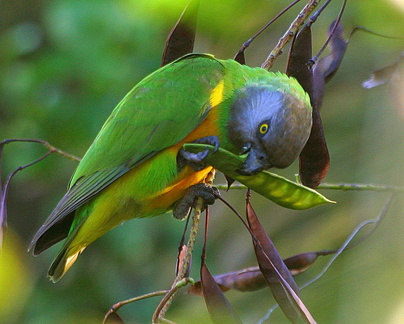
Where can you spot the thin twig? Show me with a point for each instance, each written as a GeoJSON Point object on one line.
{"type": "Point", "coordinates": [49, 146]}
{"type": "Point", "coordinates": [336, 186]}
{"type": "Point", "coordinates": [4, 194]}
{"type": "Point", "coordinates": [290, 33]}
{"type": "Point", "coordinates": [317, 14]}
{"type": "Point", "coordinates": [336, 23]}
{"type": "Point", "coordinates": [369, 31]}
{"type": "Point", "coordinates": [346, 245]}
{"type": "Point", "coordinates": [361, 186]}
{"type": "Point", "coordinates": [375, 223]}
{"type": "Point", "coordinates": [290, 293]}
{"type": "Point", "coordinates": [4, 190]}
{"type": "Point", "coordinates": [114, 308]}
{"type": "Point", "coordinates": [248, 43]}
{"type": "Point", "coordinates": [165, 303]}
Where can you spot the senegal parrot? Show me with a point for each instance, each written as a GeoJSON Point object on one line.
{"type": "Point", "coordinates": [136, 166]}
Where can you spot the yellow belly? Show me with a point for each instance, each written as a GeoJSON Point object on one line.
{"type": "Point", "coordinates": [149, 189]}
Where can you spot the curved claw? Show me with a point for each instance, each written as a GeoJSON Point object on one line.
{"type": "Point", "coordinates": [194, 157]}
{"type": "Point", "coordinates": [195, 160]}
{"type": "Point", "coordinates": [211, 140]}
{"type": "Point", "coordinates": [183, 206]}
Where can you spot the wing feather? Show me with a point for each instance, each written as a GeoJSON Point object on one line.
{"type": "Point", "coordinates": [157, 113]}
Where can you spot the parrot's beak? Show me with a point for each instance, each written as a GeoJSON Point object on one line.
{"type": "Point", "coordinates": [255, 162]}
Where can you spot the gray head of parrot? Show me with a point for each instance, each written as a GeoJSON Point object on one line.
{"type": "Point", "coordinates": [271, 126]}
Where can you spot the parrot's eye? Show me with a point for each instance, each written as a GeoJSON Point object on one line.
{"type": "Point", "coordinates": [264, 127]}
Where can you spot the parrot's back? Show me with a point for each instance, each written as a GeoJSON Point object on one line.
{"type": "Point", "coordinates": [131, 169]}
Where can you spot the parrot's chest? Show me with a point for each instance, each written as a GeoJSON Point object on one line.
{"type": "Point", "coordinates": [156, 184]}
{"type": "Point", "coordinates": [164, 183]}
{"type": "Point", "coordinates": [165, 199]}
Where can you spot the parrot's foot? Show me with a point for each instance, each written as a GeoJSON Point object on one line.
{"type": "Point", "coordinates": [195, 160]}
{"type": "Point", "coordinates": [183, 206]}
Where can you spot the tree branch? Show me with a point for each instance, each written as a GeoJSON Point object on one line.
{"type": "Point", "coordinates": [290, 33]}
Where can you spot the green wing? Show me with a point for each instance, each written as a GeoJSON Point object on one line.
{"type": "Point", "coordinates": [157, 113]}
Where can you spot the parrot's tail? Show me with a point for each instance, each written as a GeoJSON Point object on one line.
{"type": "Point", "coordinates": [63, 262]}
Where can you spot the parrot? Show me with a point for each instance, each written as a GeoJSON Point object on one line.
{"type": "Point", "coordinates": [137, 167]}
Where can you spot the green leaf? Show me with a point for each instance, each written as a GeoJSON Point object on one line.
{"type": "Point", "coordinates": [280, 190]}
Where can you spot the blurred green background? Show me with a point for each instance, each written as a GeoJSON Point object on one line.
{"type": "Point", "coordinates": [65, 64]}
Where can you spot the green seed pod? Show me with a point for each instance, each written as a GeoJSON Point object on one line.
{"type": "Point", "coordinates": [280, 190]}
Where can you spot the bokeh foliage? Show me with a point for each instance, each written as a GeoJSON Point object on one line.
{"type": "Point", "coordinates": [65, 64]}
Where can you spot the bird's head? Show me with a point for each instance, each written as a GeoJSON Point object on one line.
{"type": "Point", "coordinates": [271, 125]}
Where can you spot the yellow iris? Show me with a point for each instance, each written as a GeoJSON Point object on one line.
{"type": "Point", "coordinates": [264, 128]}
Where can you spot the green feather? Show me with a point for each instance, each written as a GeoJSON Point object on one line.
{"type": "Point", "coordinates": [145, 122]}
{"type": "Point", "coordinates": [130, 162]}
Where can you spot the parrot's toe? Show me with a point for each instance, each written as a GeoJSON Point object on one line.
{"type": "Point", "coordinates": [211, 140]}
{"type": "Point", "coordinates": [183, 206]}
{"type": "Point", "coordinates": [196, 160]}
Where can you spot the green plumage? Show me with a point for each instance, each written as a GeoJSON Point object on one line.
{"type": "Point", "coordinates": [131, 168]}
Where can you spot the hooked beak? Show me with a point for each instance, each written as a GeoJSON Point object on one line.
{"type": "Point", "coordinates": [255, 162]}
